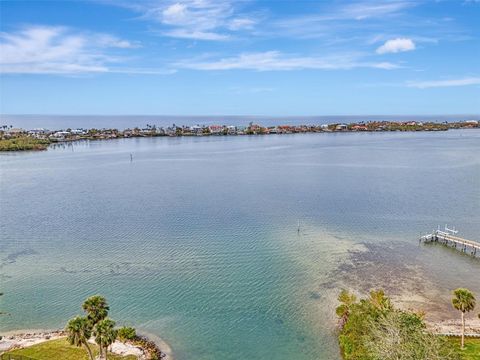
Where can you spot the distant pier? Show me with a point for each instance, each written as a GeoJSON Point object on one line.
{"type": "Point", "coordinates": [448, 237]}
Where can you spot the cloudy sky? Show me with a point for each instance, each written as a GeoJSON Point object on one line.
{"type": "Point", "coordinates": [214, 57]}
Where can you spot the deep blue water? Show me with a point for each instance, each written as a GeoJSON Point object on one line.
{"type": "Point", "coordinates": [56, 122]}
{"type": "Point", "coordinates": [196, 239]}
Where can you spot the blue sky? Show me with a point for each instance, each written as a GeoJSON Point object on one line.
{"type": "Point", "coordinates": [219, 57]}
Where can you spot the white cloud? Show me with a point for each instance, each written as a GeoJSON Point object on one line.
{"type": "Point", "coordinates": [195, 35]}
{"type": "Point", "coordinates": [444, 83]}
{"type": "Point", "coordinates": [374, 9]}
{"type": "Point", "coordinates": [396, 45]}
{"type": "Point", "coordinates": [59, 50]}
{"type": "Point", "coordinates": [106, 40]}
{"type": "Point", "coordinates": [199, 19]}
{"type": "Point", "coordinates": [175, 14]}
{"type": "Point", "coordinates": [241, 23]}
{"type": "Point", "coordinates": [276, 61]}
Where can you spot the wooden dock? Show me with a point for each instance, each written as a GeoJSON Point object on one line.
{"type": "Point", "coordinates": [447, 238]}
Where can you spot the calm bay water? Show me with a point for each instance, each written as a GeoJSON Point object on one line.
{"type": "Point", "coordinates": [196, 240]}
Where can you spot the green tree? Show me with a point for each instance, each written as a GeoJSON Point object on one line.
{"type": "Point", "coordinates": [105, 335]}
{"type": "Point", "coordinates": [79, 330]}
{"type": "Point", "coordinates": [463, 301]}
{"type": "Point", "coordinates": [96, 308]}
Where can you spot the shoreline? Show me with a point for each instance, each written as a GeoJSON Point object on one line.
{"type": "Point", "coordinates": [18, 139]}
{"type": "Point", "coordinates": [23, 338]}
{"type": "Point", "coordinates": [452, 327]}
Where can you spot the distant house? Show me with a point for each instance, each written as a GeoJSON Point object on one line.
{"type": "Point", "coordinates": [471, 122]}
{"type": "Point", "coordinates": [232, 130]}
{"type": "Point", "coordinates": [60, 135]}
{"type": "Point", "coordinates": [215, 129]}
{"type": "Point", "coordinates": [15, 131]}
{"type": "Point", "coordinates": [78, 132]}
{"type": "Point", "coordinates": [359, 128]}
{"type": "Point", "coordinates": [285, 129]}
{"type": "Point", "coordinates": [39, 133]}
{"type": "Point", "coordinates": [196, 130]}
{"type": "Point", "coordinates": [255, 129]}
{"type": "Point", "coordinates": [241, 130]}
{"type": "Point", "coordinates": [146, 131]}
{"type": "Point", "coordinates": [341, 127]}
{"type": "Point", "coordinates": [171, 131]}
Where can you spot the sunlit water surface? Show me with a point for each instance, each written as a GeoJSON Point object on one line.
{"type": "Point", "coordinates": [196, 240]}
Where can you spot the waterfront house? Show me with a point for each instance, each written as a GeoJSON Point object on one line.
{"type": "Point", "coordinates": [471, 123]}
{"type": "Point", "coordinates": [171, 131]}
{"type": "Point", "coordinates": [196, 130]}
{"type": "Point", "coordinates": [12, 132]}
{"type": "Point", "coordinates": [359, 128]}
{"type": "Point", "coordinates": [39, 133]}
{"type": "Point", "coordinates": [241, 130]}
{"type": "Point", "coordinates": [341, 127]}
{"type": "Point", "coordinates": [77, 132]}
{"type": "Point", "coordinates": [284, 129]}
{"type": "Point", "coordinates": [60, 135]}
{"type": "Point", "coordinates": [147, 131]}
{"type": "Point", "coordinates": [216, 129]}
{"type": "Point", "coordinates": [255, 129]}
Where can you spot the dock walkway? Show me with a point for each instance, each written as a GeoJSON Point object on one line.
{"type": "Point", "coordinates": [448, 239]}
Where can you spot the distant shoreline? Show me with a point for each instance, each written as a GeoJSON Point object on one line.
{"type": "Point", "coordinates": [18, 139]}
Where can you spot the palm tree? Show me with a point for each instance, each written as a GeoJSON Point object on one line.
{"type": "Point", "coordinates": [105, 335]}
{"type": "Point", "coordinates": [463, 301]}
{"type": "Point", "coordinates": [97, 308]}
{"type": "Point", "coordinates": [79, 331]}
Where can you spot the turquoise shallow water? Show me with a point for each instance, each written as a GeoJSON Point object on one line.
{"type": "Point", "coordinates": [196, 240]}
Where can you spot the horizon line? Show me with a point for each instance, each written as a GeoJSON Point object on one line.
{"type": "Point", "coordinates": [244, 116]}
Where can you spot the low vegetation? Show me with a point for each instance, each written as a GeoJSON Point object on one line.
{"type": "Point", "coordinates": [23, 143]}
{"type": "Point", "coordinates": [373, 329]}
{"type": "Point", "coordinates": [471, 350]}
{"type": "Point", "coordinates": [126, 333]}
{"type": "Point", "coordinates": [61, 349]}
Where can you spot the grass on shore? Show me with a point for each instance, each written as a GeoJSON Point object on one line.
{"type": "Point", "coordinates": [60, 349]}
{"type": "Point", "coordinates": [472, 348]}
{"type": "Point", "coordinates": [23, 143]}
